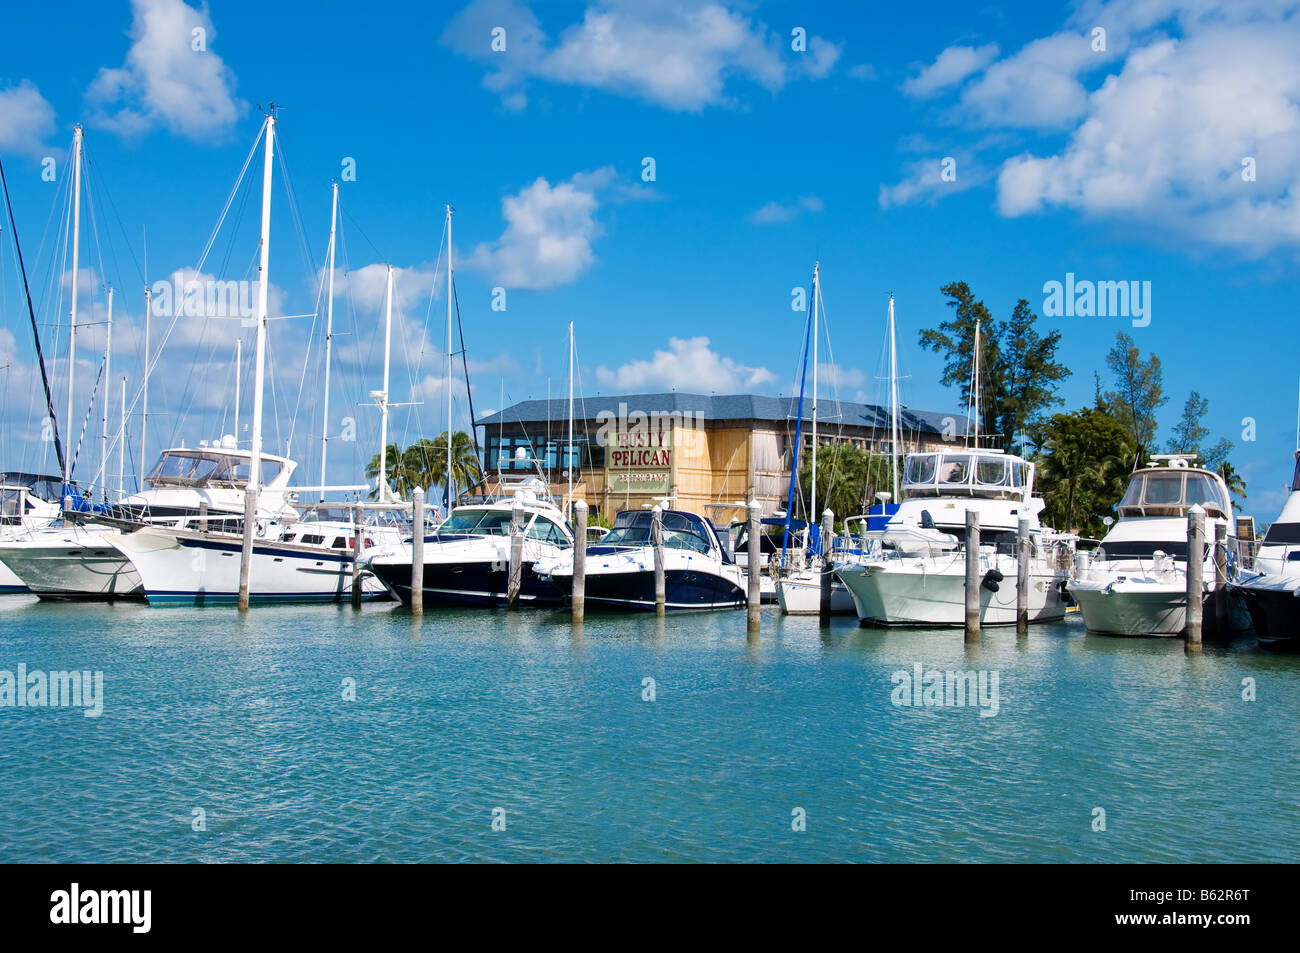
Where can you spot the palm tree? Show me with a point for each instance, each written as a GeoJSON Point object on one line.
{"type": "Point", "coordinates": [1233, 479]}
{"type": "Point", "coordinates": [425, 462]}
{"type": "Point", "coordinates": [399, 476]}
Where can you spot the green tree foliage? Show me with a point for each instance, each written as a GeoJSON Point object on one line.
{"type": "Point", "coordinates": [424, 464]}
{"type": "Point", "coordinates": [1189, 437]}
{"type": "Point", "coordinates": [1188, 433]}
{"type": "Point", "coordinates": [1139, 393]}
{"type": "Point", "coordinates": [1084, 468]}
{"type": "Point", "coordinates": [1019, 372]}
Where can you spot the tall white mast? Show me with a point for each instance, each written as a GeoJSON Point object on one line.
{"type": "Point", "coordinates": [449, 294]}
{"type": "Point", "coordinates": [144, 396]}
{"type": "Point", "coordinates": [263, 284]}
{"type": "Point", "coordinates": [893, 397]}
{"type": "Point", "coordinates": [329, 340]}
{"type": "Point", "coordinates": [72, 313]}
{"type": "Point", "coordinates": [568, 450]}
{"type": "Point", "coordinates": [973, 404]}
{"type": "Point", "coordinates": [103, 401]}
{"type": "Point", "coordinates": [814, 519]}
{"type": "Point", "coordinates": [239, 361]}
{"type": "Point", "coordinates": [382, 486]}
{"type": "Point", "coordinates": [121, 445]}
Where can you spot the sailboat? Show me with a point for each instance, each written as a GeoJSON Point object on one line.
{"type": "Point", "coordinates": [915, 572]}
{"type": "Point", "coordinates": [799, 580]}
{"type": "Point", "coordinates": [304, 564]}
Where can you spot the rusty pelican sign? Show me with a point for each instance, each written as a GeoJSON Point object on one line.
{"type": "Point", "coordinates": [638, 451]}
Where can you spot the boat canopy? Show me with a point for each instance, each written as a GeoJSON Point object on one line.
{"type": "Point", "coordinates": [210, 468]}
{"type": "Point", "coordinates": [41, 486]}
{"type": "Point", "coordinates": [1172, 491]}
{"type": "Point", "coordinates": [990, 474]}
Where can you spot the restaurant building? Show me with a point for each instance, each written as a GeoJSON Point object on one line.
{"type": "Point", "coordinates": [633, 450]}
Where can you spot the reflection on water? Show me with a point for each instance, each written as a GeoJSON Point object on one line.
{"type": "Point", "coordinates": [247, 717]}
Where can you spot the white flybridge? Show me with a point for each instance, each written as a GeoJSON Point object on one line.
{"type": "Point", "coordinates": [1135, 582]}
{"type": "Point", "coordinates": [799, 584]}
{"type": "Point", "coordinates": [913, 572]}
{"type": "Point", "coordinates": [269, 561]}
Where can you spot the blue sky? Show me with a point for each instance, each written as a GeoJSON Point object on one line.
{"type": "Point", "coordinates": [1115, 163]}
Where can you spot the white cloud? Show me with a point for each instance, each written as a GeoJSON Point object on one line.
{"type": "Point", "coordinates": [1163, 141]}
{"type": "Point", "coordinates": [923, 180]}
{"type": "Point", "coordinates": [863, 71]}
{"type": "Point", "coordinates": [25, 119]}
{"type": "Point", "coordinates": [1158, 124]}
{"type": "Point", "coordinates": [165, 80]}
{"type": "Point", "coordinates": [950, 68]}
{"type": "Point", "coordinates": [690, 365]}
{"type": "Point", "coordinates": [774, 212]}
{"type": "Point", "coordinates": [1036, 88]}
{"type": "Point", "coordinates": [548, 234]}
{"type": "Point", "coordinates": [681, 58]}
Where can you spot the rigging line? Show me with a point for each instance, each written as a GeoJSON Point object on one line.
{"type": "Point", "coordinates": [464, 360]}
{"type": "Point", "coordinates": [306, 357]}
{"type": "Point", "coordinates": [85, 421]}
{"type": "Point", "coordinates": [108, 197]}
{"type": "Point", "coordinates": [40, 357]}
{"type": "Point", "coordinates": [171, 326]}
{"type": "Point", "coordinates": [433, 290]}
{"type": "Point", "coordinates": [203, 257]}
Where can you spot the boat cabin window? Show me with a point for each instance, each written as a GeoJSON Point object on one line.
{"type": "Point", "coordinates": [954, 469]}
{"type": "Point", "coordinates": [920, 468]}
{"type": "Point", "coordinates": [546, 530]}
{"type": "Point", "coordinates": [477, 522]}
{"type": "Point", "coordinates": [199, 468]}
{"type": "Point", "coordinates": [970, 473]}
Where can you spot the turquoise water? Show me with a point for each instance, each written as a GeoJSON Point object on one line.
{"type": "Point", "coordinates": [468, 711]}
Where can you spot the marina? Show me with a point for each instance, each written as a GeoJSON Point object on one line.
{"type": "Point", "coordinates": [613, 434]}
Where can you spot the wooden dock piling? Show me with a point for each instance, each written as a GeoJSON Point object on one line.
{"type": "Point", "coordinates": [828, 576]}
{"type": "Point", "coordinates": [1195, 578]}
{"type": "Point", "coordinates": [579, 597]}
{"type": "Point", "coordinates": [417, 550]}
{"type": "Point", "coordinates": [246, 553]}
{"type": "Point", "coordinates": [357, 545]}
{"type": "Point", "coordinates": [754, 566]}
{"type": "Point", "coordinates": [972, 575]}
{"type": "Point", "coordinates": [1024, 548]}
{"type": "Point", "coordinates": [515, 579]}
{"type": "Point", "coordinates": [657, 540]}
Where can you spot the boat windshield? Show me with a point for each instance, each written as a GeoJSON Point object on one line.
{"type": "Point", "coordinates": [681, 530]}
{"type": "Point", "coordinates": [1171, 492]}
{"type": "Point", "coordinates": [476, 521]}
{"type": "Point", "coordinates": [203, 468]}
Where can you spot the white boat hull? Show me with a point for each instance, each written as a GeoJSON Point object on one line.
{"type": "Point", "coordinates": [72, 562]}
{"type": "Point", "coordinates": [181, 568]}
{"type": "Point", "coordinates": [1158, 609]}
{"type": "Point", "coordinates": [800, 593]}
{"type": "Point", "coordinates": [913, 591]}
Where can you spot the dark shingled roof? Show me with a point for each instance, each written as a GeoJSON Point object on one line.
{"type": "Point", "coordinates": [724, 407]}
